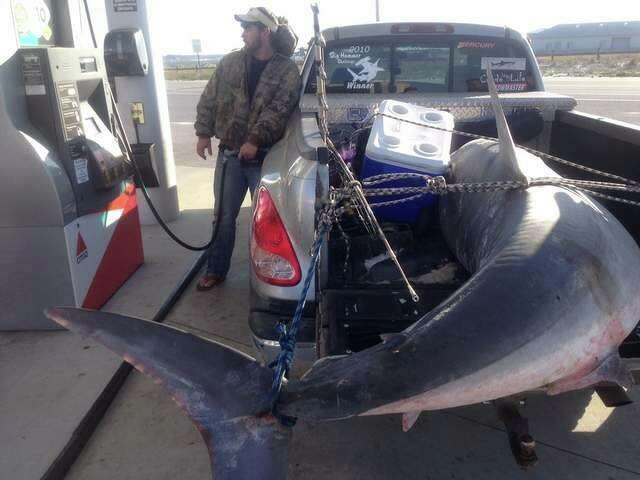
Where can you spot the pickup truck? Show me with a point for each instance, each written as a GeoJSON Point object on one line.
{"type": "Point", "coordinates": [357, 294]}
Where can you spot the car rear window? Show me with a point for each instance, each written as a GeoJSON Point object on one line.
{"type": "Point", "coordinates": [435, 64]}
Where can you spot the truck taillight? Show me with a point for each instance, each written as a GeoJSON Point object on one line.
{"type": "Point", "coordinates": [272, 256]}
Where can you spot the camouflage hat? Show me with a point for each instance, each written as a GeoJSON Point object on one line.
{"type": "Point", "coordinates": [259, 15]}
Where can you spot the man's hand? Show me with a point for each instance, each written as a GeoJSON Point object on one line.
{"type": "Point", "coordinates": [203, 143]}
{"type": "Point", "coordinates": [247, 151]}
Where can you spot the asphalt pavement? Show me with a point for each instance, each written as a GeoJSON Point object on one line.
{"type": "Point", "coordinates": [616, 98]}
{"type": "Point", "coordinates": [183, 98]}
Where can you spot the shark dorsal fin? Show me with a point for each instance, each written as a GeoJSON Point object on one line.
{"type": "Point", "coordinates": [506, 144]}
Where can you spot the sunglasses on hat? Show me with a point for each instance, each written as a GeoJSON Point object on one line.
{"type": "Point", "coordinates": [246, 25]}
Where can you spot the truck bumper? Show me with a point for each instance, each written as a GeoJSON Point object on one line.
{"type": "Point", "coordinates": [265, 336]}
{"type": "Point", "coordinates": [267, 351]}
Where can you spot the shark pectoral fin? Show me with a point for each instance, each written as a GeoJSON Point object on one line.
{"type": "Point", "coordinates": [325, 362]}
{"type": "Point", "coordinates": [394, 340]}
{"type": "Point", "coordinates": [409, 419]}
{"type": "Point", "coordinates": [385, 337]}
{"type": "Point", "coordinates": [611, 371]}
{"type": "Point", "coordinates": [224, 391]}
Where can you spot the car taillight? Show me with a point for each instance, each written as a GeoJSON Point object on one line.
{"type": "Point", "coordinates": [272, 255]}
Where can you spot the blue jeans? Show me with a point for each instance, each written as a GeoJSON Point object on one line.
{"type": "Point", "coordinates": [238, 177]}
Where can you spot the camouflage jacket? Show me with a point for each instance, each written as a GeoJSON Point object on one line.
{"type": "Point", "coordinates": [225, 110]}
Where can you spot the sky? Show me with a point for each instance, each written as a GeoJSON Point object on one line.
{"type": "Point", "coordinates": [178, 22]}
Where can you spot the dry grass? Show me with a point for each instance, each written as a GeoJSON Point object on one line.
{"type": "Point", "coordinates": [610, 65]}
{"type": "Point", "coordinates": [188, 74]}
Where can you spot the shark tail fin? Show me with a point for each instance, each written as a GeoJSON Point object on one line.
{"type": "Point", "coordinates": [505, 140]}
{"type": "Point", "coordinates": [222, 390]}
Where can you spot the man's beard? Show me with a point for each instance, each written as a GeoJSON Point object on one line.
{"type": "Point", "coordinates": [253, 47]}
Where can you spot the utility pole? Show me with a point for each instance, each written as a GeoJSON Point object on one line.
{"type": "Point", "coordinates": [196, 44]}
{"type": "Point", "coordinates": [377, 10]}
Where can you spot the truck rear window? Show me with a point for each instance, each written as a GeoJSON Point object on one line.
{"type": "Point", "coordinates": [511, 68]}
{"type": "Point", "coordinates": [436, 64]}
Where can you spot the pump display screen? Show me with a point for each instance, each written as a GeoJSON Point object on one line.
{"type": "Point", "coordinates": [34, 22]}
{"type": "Point", "coordinates": [88, 64]}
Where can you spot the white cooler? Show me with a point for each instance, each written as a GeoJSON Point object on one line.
{"type": "Point", "coordinates": [395, 146]}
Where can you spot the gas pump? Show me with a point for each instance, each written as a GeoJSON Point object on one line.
{"type": "Point", "coordinates": [69, 226]}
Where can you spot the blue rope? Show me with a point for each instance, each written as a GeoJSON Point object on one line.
{"type": "Point", "coordinates": [287, 336]}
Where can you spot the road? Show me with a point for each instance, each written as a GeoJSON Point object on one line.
{"type": "Point", "coordinates": [183, 98]}
{"type": "Point", "coordinates": [617, 98]}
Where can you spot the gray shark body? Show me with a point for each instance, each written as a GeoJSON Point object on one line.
{"type": "Point", "coordinates": [553, 292]}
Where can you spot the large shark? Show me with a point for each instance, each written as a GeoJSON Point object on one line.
{"type": "Point", "coordinates": [553, 292]}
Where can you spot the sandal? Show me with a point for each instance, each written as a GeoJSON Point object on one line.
{"type": "Point", "coordinates": [208, 281]}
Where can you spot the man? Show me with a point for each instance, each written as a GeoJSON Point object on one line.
{"type": "Point", "coordinates": [246, 104]}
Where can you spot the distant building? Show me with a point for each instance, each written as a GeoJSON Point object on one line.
{"type": "Point", "coordinates": [585, 38]}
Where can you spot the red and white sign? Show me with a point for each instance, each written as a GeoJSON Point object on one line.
{"type": "Point", "coordinates": [105, 248]}
{"type": "Point", "coordinates": [81, 249]}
